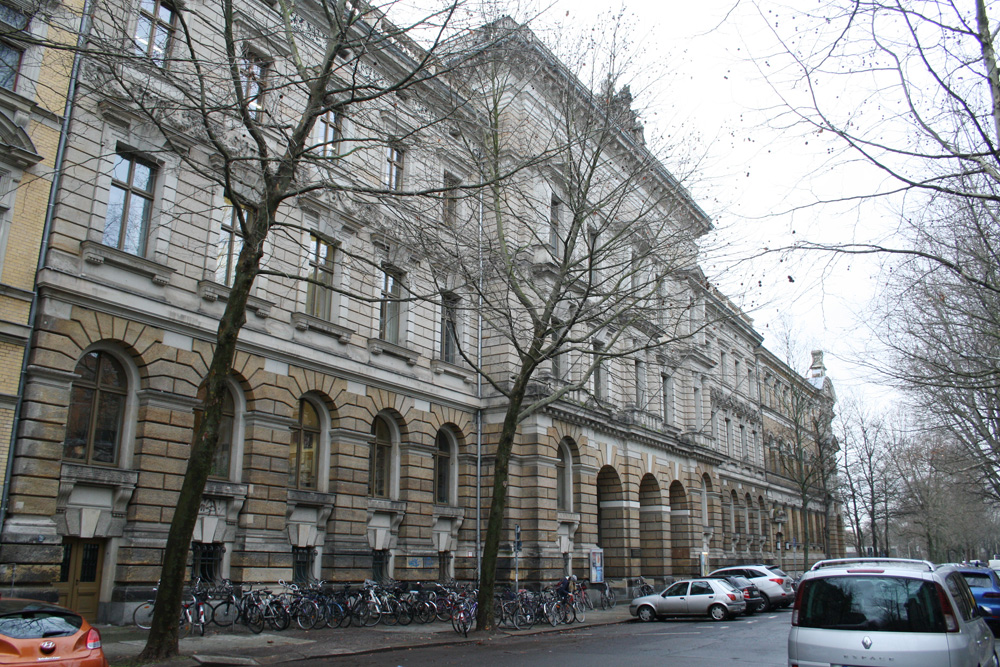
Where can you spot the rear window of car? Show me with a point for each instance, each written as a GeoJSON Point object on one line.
{"type": "Point", "coordinates": [978, 579]}
{"type": "Point", "coordinates": [29, 624]}
{"type": "Point", "coordinates": [884, 603]}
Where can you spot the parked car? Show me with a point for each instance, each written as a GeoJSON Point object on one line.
{"type": "Point", "coordinates": [751, 594]}
{"type": "Point", "coordinates": [776, 589]}
{"type": "Point", "coordinates": [985, 585]}
{"type": "Point", "coordinates": [880, 611]}
{"type": "Point", "coordinates": [691, 597]}
{"type": "Point", "coordinates": [38, 632]}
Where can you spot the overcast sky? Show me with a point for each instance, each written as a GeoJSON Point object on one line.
{"type": "Point", "coordinates": [701, 78]}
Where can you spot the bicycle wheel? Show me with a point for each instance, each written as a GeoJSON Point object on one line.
{"type": "Point", "coordinates": [184, 624]}
{"type": "Point", "coordinates": [371, 614]}
{"type": "Point", "coordinates": [605, 602]}
{"type": "Point", "coordinates": [405, 612]}
{"type": "Point", "coordinates": [390, 611]}
{"type": "Point", "coordinates": [611, 597]}
{"type": "Point", "coordinates": [306, 614]}
{"type": "Point", "coordinates": [225, 613]}
{"type": "Point", "coordinates": [143, 615]}
{"type": "Point", "coordinates": [253, 618]}
{"type": "Point", "coordinates": [579, 611]}
{"type": "Point", "coordinates": [424, 612]}
{"type": "Point", "coordinates": [277, 616]}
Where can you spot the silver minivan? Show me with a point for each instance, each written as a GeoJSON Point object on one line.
{"type": "Point", "coordinates": [866, 611]}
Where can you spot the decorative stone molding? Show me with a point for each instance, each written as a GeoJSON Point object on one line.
{"type": "Point", "coordinates": [212, 291]}
{"type": "Point", "coordinates": [377, 346]}
{"type": "Point", "coordinates": [446, 522]}
{"type": "Point", "coordinates": [440, 367]}
{"type": "Point", "coordinates": [303, 322]}
{"type": "Point", "coordinates": [97, 253]}
{"type": "Point", "coordinates": [384, 517]}
{"type": "Point", "coordinates": [306, 516]}
{"type": "Point", "coordinates": [92, 500]}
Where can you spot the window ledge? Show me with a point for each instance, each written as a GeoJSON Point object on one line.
{"type": "Point", "coordinates": [567, 517]}
{"type": "Point", "coordinates": [448, 511]}
{"type": "Point", "coordinates": [211, 291]}
{"type": "Point", "coordinates": [81, 472]}
{"type": "Point", "coordinates": [98, 253]}
{"type": "Point", "coordinates": [386, 505]}
{"type": "Point", "coordinates": [312, 498]}
{"type": "Point", "coordinates": [304, 322]}
{"type": "Point", "coordinates": [378, 346]}
{"type": "Point", "coordinates": [221, 489]}
{"type": "Point", "coordinates": [444, 368]}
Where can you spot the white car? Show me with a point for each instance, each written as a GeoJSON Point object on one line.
{"type": "Point", "coordinates": [776, 589]}
{"type": "Point", "coordinates": [867, 611]}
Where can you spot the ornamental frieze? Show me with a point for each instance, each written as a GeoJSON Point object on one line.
{"type": "Point", "coordinates": [741, 409]}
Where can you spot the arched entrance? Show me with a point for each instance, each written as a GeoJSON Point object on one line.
{"type": "Point", "coordinates": [654, 541]}
{"type": "Point", "coordinates": [680, 532]}
{"type": "Point", "coordinates": [612, 522]}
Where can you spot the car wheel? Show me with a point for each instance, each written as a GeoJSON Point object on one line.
{"type": "Point", "coordinates": [717, 612]}
{"type": "Point", "coordinates": [646, 614]}
{"type": "Point", "coordinates": [765, 603]}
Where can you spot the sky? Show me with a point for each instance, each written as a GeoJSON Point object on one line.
{"type": "Point", "coordinates": [702, 73]}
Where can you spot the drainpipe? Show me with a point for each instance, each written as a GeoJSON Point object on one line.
{"type": "Point", "coordinates": [479, 401]}
{"type": "Point", "coordinates": [85, 24]}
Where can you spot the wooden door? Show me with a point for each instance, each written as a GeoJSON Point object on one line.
{"type": "Point", "coordinates": [79, 583]}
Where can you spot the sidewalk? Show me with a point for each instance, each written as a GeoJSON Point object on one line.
{"type": "Point", "coordinates": [237, 646]}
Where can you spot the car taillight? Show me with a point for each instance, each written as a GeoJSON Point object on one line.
{"type": "Point", "coordinates": [93, 639]}
{"type": "Point", "coordinates": [950, 621]}
{"type": "Point", "coordinates": [778, 581]}
{"type": "Point", "coordinates": [991, 595]}
{"type": "Point", "coordinates": [798, 602]}
{"type": "Point", "coordinates": [731, 597]}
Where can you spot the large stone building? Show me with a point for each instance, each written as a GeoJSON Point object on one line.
{"type": "Point", "coordinates": [357, 441]}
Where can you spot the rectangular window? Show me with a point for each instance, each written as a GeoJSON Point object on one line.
{"type": "Point", "coordinates": [449, 328]}
{"type": "Point", "coordinates": [253, 72]}
{"type": "Point", "coordinates": [154, 31]}
{"type": "Point", "coordinates": [380, 565]}
{"type": "Point", "coordinates": [449, 213]}
{"type": "Point", "coordinates": [640, 384]}
{"type": "Point", "coordinates": [130, 204]}
{"type": "Point", "coordinates": [668, 399]}
{"type": "Point", "coordinates": [329, 132]}
{"type": "Point", "coordinates": [206, 561]}
{"type": "Point", "coordinates": [598, 373]}
{"type": "Point", "coordinates": [737, 374]}
{"type": "Point", "coordinates": [393, 176]}
{"type": "Point", "coordinates": [228, 245]}
{"type": "Point", "coordinates": [303, 559]}
{"type": "Point", "coordinates": [319, 289]}
{"type": "Point", "coordinates": [390, 307]}
{"type": "Point", "coordinates": [729, 437]}
{"type": "Point", "coordinates": [744, 452]}
{"type": "Point", "coordinates": [12, 21]}
{"type": "Point", "coordinates": [555, 224]}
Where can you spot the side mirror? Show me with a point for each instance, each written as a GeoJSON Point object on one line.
{"type": "Point", "coordinates": [983, 612]}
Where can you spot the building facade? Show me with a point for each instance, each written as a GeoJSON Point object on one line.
{"type": "Point", "coordinates": [357, 441]}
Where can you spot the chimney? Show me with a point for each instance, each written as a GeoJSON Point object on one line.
{"type": "Point", "coordinates": [817, 370]}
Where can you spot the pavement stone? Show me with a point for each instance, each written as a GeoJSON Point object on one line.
{"type": "Point", "coordinates": [237, 646]}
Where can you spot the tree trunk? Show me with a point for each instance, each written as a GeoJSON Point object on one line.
{"type": "Point", "coordinates": [494, 528]}
{"type": "Point", "coordinates": [161, 643]}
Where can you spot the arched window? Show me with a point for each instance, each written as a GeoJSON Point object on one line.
{"type": "Point", "coordinates": [305, 446]}
{"type": "Point", "coordinates": [96, 410]}
{"type": "Point", "coordinates": [380, 462]}
{"type": "Point", "coordinates": [443, 461]}
{"type": "Point", "coordinates": [564, 480]}
{"type": "Point", "coordinates": [224, 450]}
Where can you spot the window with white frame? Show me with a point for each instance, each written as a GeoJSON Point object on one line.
{"type": "Point", "coordinates": [254, 70]}
{"type": "Point", "coordinates": [390, 305]}
{"type": "Point", "coordinates": [744, 452]}
{"type": "Point", "coordinates": [598, 381]}
{"type": "Point", "coordinates": [555, 227]}
{"type": "Point", "coordinates": [228, 244]}
{"type": "Point", "coordinates": [393, 174]}
{"type": "Point", "coordinates": [328, 133]}
{"type": "Point", "coordinates": [444, 468]}
{"type": "Point", "coordinates": [303, 453]}
{"type": "Point", "coordinates": [154, 31]}
{"type": "Point", "coordinates": [640, 384]}
{"type": "Point", "coordinates": [729, 437]}
{"type": "Point", "coordinates": [724, 367]}
{"type": "Point", "coordinates": [226, 445]}
{"type": "Point", "coordinates": [450, 303]}
{"type": "Point", "coordinates": [450, 199]}
{"type": "Point", "coordinates": [667, 394]}
{"type": "Point", "coordinates": [319, 288]}
{"type": "Point", "coordinates": [12, 23]}
{"type": "Point", "coordinates": [130, 203]}
{"type": "Point", "coordinates": [7, 191]}
{"type": "Point", "coordinates": [380, 459]}
{"type": "Point", "coordinates": [96, 411]}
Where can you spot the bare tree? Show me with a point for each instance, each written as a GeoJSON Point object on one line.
{"type": "Point", "coordinates": [584, 243]}
{"type": "Point", "coordinates": [253, 100]}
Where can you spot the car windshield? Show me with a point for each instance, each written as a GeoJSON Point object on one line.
{"type": "Point", "coordinates": [893, 604]}
{"type": "Point", "coordinates": [34, 624]}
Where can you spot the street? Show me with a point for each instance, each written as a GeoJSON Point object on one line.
{"type": "Point", "coordinates": [757, 641]}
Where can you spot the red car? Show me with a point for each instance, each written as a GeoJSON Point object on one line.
{"type": "Point", "coordinates": [33, 632]}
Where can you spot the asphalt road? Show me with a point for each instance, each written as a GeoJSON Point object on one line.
{"type": "Point", "coordinates": [758, 641]}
